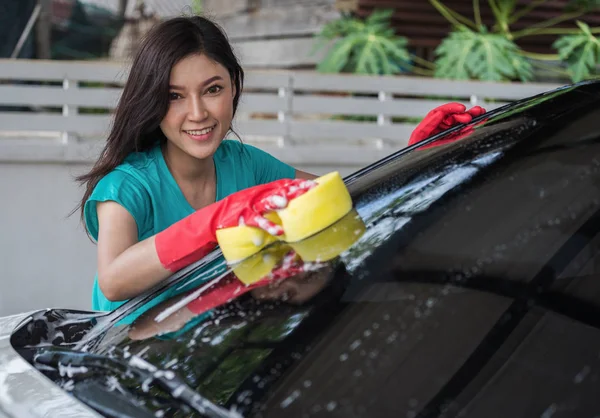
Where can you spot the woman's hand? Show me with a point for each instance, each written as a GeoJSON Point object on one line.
{"type": "Point", "coordinates": [193, 237]}
{"type": "Point", "coordinates": [442, 118]}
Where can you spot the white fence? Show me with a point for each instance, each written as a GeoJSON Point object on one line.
{"type": "Point", "coordinates": [287, 113]}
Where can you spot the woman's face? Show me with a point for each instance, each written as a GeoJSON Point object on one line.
{"type": "Point", "coordinates": [200, 106]}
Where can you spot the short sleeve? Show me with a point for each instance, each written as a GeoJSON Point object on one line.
{"type": "Point", "coordinates": [128, 192]}
{"type": "Point", "coordinates": [266, 167]}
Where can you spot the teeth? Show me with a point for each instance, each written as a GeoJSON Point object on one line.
{"type": "Point", "coordinates": [202, 132]}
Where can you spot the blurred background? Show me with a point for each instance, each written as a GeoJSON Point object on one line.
{"type": "Point", "coordinates": [332, 85]}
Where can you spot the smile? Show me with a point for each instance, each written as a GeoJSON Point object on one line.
{"type": "Point", "coordinates": [200, 132]}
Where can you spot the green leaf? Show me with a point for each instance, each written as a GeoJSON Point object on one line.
{"type": "Point", "coordinates": [381, 56]}
{"type": "Point", "coordinates": [382, 16]}
{"type": "Point", "coordinates": [506, 8]}
{"type": "Point", "coordinates": [363, 47]}
{"type": "Point", "coordinates": [580, 51]}
{"type": "Point", "coordinates": [337, 58]}
{"type": "Point", "coordinates": [465, 54]}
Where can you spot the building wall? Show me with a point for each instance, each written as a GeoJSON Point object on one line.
{"type": "Point", "coordinates": [46, 259]}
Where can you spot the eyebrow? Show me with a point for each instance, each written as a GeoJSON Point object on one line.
{"type": "Point", "coordinates": [207, 82]}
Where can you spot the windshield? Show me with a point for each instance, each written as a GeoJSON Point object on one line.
{"type": "Point", "coordinates": [470, 277]}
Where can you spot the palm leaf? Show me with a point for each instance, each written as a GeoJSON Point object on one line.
{"type": "Point", "coordinates": [382, 58]}
{"type": "Point", "coordinates": [379, 16]}
{"type": "Point", "coordinates": [581, 52]}
{"type": "Point", "coordinates": [337, 59]}
{"type": "Point", "coordinates": [452, 65]}
{"type": "Point", "coordinates": [395, 49]}
{"type": "Point", "coordinates": [465, 54]}
{"type": "Point", "coordinates": [365, 59]}
{"type": "Point", "coordinates": [364, 47]}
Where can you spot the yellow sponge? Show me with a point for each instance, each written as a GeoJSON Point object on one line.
{"type": "Point", "coordinates": [304, 216]}
{"type": "Point", "coordinates": [240, 242]}
{"type": "Point", "coordinates": [258, 266]}
{"type": "Point", "coordinates": [332, 241]}
{"type": "Point", "coordinates": [321, 247]}
{"type": "Point", "coordinates": [316, 209]}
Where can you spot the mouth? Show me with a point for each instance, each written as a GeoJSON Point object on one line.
{"type": "Point", "coordinates": [200, 134]}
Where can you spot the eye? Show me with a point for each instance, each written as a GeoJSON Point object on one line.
{"type": "Point", "coordinates": [214, 89]}
{"type": "Point", "coordinates": [174, 96]}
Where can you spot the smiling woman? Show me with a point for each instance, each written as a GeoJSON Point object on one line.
{"type": "Point", "coordinates": [168, 178]}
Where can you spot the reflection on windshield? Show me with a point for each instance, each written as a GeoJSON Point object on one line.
{"type": "Point", "coordinates": [285, 272]}
{"type": "Point", "coordinates": [419, 194]}
{"type": "Point", "coordinates": [216, 335]}
{"type": "Point", "coordinates": [389, 213]}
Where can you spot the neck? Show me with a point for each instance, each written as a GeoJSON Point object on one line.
{"type": "Point", "coordinates": [186, 168]}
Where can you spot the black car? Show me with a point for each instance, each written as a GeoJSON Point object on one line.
{"type": "Point", "coordinates": [464, 283]}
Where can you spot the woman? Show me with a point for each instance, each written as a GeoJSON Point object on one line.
{"type": "Point", "coordinates": [167, 179]}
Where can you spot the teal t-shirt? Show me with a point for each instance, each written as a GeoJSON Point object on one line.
{"type": "Point", "coordinates": [145, 187]}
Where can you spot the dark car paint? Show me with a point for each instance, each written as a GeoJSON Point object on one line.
{"type": "Point", "coordinates": [465, 343]}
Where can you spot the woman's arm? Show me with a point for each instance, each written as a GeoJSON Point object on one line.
{"type": "Point", "coordinates": [126, 267]}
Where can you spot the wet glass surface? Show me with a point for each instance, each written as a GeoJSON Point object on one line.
{"type": "Point", "coordinates": [466, 276]}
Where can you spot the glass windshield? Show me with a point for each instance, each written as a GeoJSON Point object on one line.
{"type": "Point", "coordinates": [472, 275]}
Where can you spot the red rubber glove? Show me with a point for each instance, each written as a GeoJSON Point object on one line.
{"type": "Point", "coordinates": [230, 287]}
{"type": "Point", "coordinates": [442, 118]}
{"type": "Point", "coordinates": [193, 237]}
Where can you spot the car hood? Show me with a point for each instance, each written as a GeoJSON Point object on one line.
{"type": "Point", "coordinates": [24, 391]}
{"type": "Point", "coordinates": [9, 323]}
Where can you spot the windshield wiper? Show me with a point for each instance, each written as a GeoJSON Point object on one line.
{"type": "Point", "coordinates": [120, 362]}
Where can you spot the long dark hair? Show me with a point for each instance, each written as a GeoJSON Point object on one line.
{"type": "Point", "coordinates": [145, 98]}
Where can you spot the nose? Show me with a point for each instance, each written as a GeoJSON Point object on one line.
{"type": "Point", "coordinates": [197, 110]}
